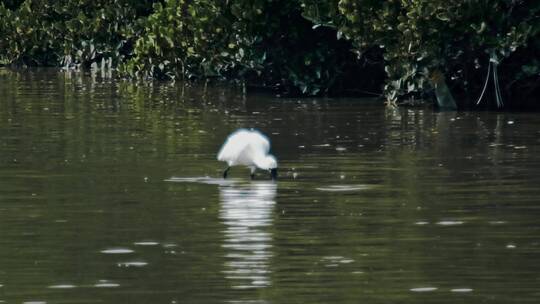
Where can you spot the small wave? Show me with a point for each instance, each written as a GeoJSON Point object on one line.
{"type": "Point", "coordinates": [343, 188]}
{"type": "Point", "coordinates": [203, 180]}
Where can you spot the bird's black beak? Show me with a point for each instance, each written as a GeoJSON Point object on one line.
{"type": "Point", "coordinates": [273, 173]}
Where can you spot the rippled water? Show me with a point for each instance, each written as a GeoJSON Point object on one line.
{"type": "Point", "coordinates": [111, 193]}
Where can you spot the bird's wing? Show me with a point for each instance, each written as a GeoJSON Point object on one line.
{"type": "Point", "coordinates": [257, 146]}
{"type": "Point", "coordinates": [260, 141]}
{"type": "Point", "coordinates": [243, 146]}
{"type": "Point", "coordinates": [234, 145]}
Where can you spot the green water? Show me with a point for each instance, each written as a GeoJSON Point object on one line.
{"type": "Point", "coordinates": [110, 193]}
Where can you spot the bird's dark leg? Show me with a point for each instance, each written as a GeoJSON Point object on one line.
{"type": "Point", "coordinates": [252, 175]}
{"type": "Point", "coordinates": [273, 173]}
{"type": "Point", "coordinates": [226, 172]}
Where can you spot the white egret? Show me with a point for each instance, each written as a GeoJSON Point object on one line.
{"type": "Point", "coordinates": [248, 148]}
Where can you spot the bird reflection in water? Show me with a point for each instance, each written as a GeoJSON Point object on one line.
{"type": "Point", "coordinates": [247, 210]}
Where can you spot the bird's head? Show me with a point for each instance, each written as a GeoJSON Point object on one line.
{"type": "Point", "coordinates": [269, 163]}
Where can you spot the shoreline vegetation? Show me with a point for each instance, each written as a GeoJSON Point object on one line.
{"type": "Point", "coordinates": [463, 54]}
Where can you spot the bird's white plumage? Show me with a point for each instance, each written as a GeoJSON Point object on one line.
{"type": "Point", "coordinates": [248, 148]}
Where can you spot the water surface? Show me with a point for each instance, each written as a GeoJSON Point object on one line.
{"type": "Point", "coordinates": [111, 193]}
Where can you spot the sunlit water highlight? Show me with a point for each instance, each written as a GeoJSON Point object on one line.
{"type": "Point", "coordinates": [117, 251]}
{"type": "Point", "coordinates": [132, 264]}
{"type": "Point", "coordinates": [106, 284]}
{"type": "Point", "coordinates": [62, 286]}
{"type": "Point", "coordinates": [146, 243]}
{"type": "Point", "coordinates": [461, 290]}
{"type": "Point", "coordinates": [423, 289]}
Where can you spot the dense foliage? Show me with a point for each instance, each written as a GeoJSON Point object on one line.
{"type": "Point", "coordinates": [68, 32]}
{"type": "Point", "coordinates": [406, 49]}
{"type": "Point", "coordinates": [266, 43]}
{"type": "Point", "coordinates": [423, 41]}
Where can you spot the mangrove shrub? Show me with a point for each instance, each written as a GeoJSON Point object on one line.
{"type": "Point", "coordinates": [68, 32]}
{"type": "Point", "coordinates": [427, 42]}
{"type": "Point", "coordinates": [265, 43]}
